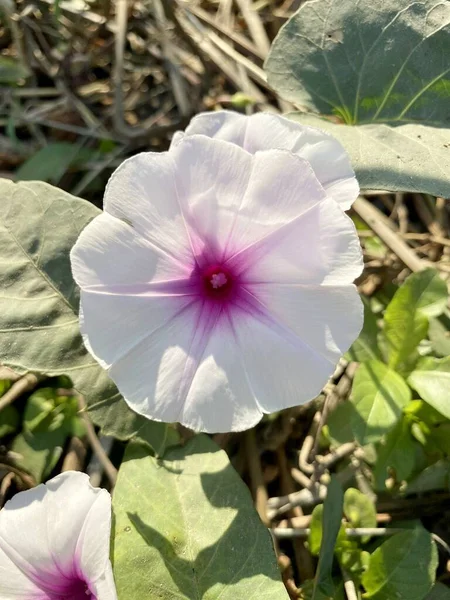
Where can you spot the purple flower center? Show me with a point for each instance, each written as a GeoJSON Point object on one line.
{"type": "Point", "coordinates": [79, 590]}
{"type": "Point", "coordinates": [74, 589]}
{"type": "Point", "coordinates": [218, 281]}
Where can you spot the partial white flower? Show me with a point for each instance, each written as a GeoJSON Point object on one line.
{"type": "Point", "coordinates": [54, 542]}
{"type": "Point", "coordinates": [265, 131]}
{"type": "Point", "coordinates": [217, 284]}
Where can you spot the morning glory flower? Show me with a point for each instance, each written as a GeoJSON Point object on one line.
{"type": "Point", "coordinates": [265, 131]}
{"type": "Point", "coordinates": [54, 542]}
{"type": "Point", "coordinates": [216, 286]}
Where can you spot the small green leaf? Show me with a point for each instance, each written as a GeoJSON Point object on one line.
{"type": "Point", "coordinates": [359, 510]}
{"type": "Point", "coordinates": [9, 420]}
{"type": "Point", "coordinates": [307, 590]}
{"type": "Point", "coordinates": [439, 334]}
{"type": "Point", "coordinates": [396, 455]}
{"type": "Point", "coordinates": [431, 379]}
{"type": "Point", "coordinates": [366, 346]}
{"type": "Point", "coordinates": [434, 477]}
{"type": "Point", "coordinates": [48, 422]}
{"type": "Point", "coordinates": [185, 527]}
{"type": "Point", "coordinates": [12, 71]}
{"type": "Point", "coordinates": [315, 530]}
{"type": "Point", "coordinates": [331, 524]}
{"type": "Point", "coordinates": [403, 567]}
{"type": "Point", "coordinates": [375, 405]}
{"type": "Point", "coordinates": [439, 592]}
{"type": "Point", "coordinates": [423, 295]}
{"type": "Point", "coordinates": [52, 161]}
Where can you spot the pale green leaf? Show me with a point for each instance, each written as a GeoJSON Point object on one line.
{"type": "Point", "coordinates": [409, 157]}
{"type": "Point", "coordinates": [375, 405]}
{"type": "Point", "coordinates": [396, 455]}
{"type": "Point", "coordinates": [331, 57]}
{"type": "Point", "coordinates": [403, 567]}
{"type": "Point", "coordinates": [315, 530]}
{"type": "Point", "coordinates": [431, 379]}
{"type": "Point", "coordinates": [39, 329]}
{"type": "Point", "coordinates": [422, 295]}
{"type": "Point", "coordinates": [331, 524]}
{"type": "Point", "coordinates": [185, 527]}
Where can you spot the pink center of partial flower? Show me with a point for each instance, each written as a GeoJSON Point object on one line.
{"type": "Point", "coordinates": [218, 281]}
{"type": "Point", "coordinates": [76, 590]}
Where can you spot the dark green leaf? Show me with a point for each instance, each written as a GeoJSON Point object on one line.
{"type": "Point", "coordinates": [396, 455]}
{"type": "Point", "coordinates": [439, 592]}
{"type": "Point", "coordinates": [52, 161]}
{"type": "Point", "coordinates": [434, 477]}
{"type": "Point", "coordinates": [9, 420]}
{"type": "Point", "coordinates": [185, 527]}
{"type": "Point", "coordinates": [331, 524]}
{"type": "Point", "coordinates": [403, 567]}
{"type": "Point", "coordinates": [366, 346]}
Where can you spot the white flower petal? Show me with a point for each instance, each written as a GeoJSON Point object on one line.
{"type": "Point", "coordinates": [220, 398]}
{"type": "Point", "coordinates": [143, 192]}
{"type": "Point", "coordinates": [14, 584]}
{"type": "Point", "coordinates": [321, 246]}
{"type": "Point", "coordinates": [112, 324]}
{"type": "Point", "coordinates": [109, 252]}
{"type": "Point", "coordinates": [283, 371]}
{"type": "Point", "coordinates": [67, 524]}
{"type": "Point", "coordinates": [153, 375]}
{"type": "Point", "coordinates": [235, 198]}
{"type": "Point", "coordinates": [105, 588]}
{"type": "Point", "coordinates": [328, 319]}
{"type": "Point", "coordinates": [263, 131]}
{"type": "Point", "coordinates": [211, 179]}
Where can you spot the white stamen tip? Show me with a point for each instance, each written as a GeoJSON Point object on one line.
{"type": "Point", "coordinates": [218, 280]}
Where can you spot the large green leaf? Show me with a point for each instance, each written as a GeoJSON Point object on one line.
{"type": "Point", "coordinates": [431, 379]}
{"type": "Point", "coordinates": [422, 295]}
{"type": "Point", "coordinates": [367, 63]}
{"type": "Point", "coordinates": [375, 405]}
{"type": "Point", "coordinates": [185, 527]}
{"type": "Point", "coordinates": [403, 567]}
{"type": "Point", "coordinates": [39, 301]}
{"type": "Point", "coordinates": [385, 70]}
{"type": "Point", "coordinates": [409, 157]}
